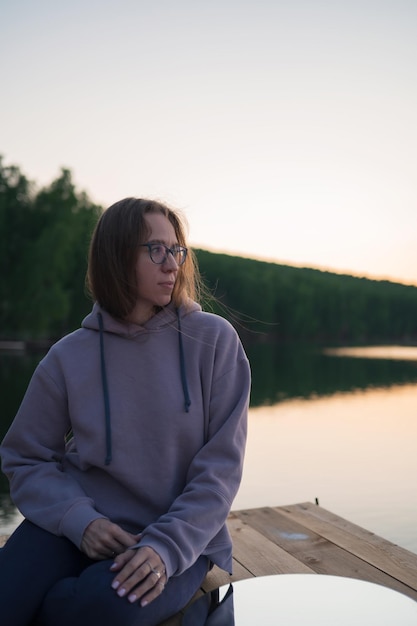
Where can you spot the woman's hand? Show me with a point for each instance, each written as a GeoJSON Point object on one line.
{"type": "Point", "coordinates": [103, 540]}
{"type": "Point", "coordinates": [141, 575]}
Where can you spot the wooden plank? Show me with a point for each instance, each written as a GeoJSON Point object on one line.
{"type": "Point", "coordinates": [259, 554]}
{"type": "Point", "coordinates": [386, 556]}
{"type": "Point", "coordinates": [321, 555]}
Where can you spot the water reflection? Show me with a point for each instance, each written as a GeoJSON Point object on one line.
{"type": "Point", "coordinates": [282, 372]}
{"type": "Point", "coordinates": [355, 452]}
{"type": "Point", "coordinates": [398, 353]}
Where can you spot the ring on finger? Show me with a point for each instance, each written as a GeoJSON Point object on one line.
{"type": "Point", "coordinates": [157, 574]}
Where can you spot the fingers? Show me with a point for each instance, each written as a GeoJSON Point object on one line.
{"type": "Point", "coordinates": [123, 539]}
{"type": "Point", "coordinates": [103, 539]}
{"type": "Point", "coordinates": [155, 591]}
{"type": "Point", "coordinates": [117, 540]}
{"type": "Point", "coordinates": [121, 559]}
{"type": "Point", "coordinates": [115, 547]}
{"type": "Point", "coordinates": [142, 575]}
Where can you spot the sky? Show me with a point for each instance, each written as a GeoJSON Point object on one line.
{"type": "Point", "coordinates": [284, 130]}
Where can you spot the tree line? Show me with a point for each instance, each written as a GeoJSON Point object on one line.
{"type": "Point", "coordinates": [288, 304]}
{"type": "Point", "coordinates": [44, 236]}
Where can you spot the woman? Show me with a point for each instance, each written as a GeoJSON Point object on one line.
{"type": "Point", "coordinates": [127, 450]}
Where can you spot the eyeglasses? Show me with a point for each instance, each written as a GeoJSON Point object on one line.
{"type": "Point", "coordinates": [158, 252]}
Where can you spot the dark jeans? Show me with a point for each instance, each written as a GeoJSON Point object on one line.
{"type": "Point", "coordinates": [46, 581]}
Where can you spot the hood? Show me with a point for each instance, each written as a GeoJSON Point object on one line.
{"type": "Point", "coordinates": [103, 322]}
{"type": "Point", "coordinates": [165, 317]}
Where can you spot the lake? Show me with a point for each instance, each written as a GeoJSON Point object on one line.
{"type": "Point", "coordinates": [336, 425]}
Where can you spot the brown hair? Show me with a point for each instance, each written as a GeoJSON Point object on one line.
{"type": "Point", "coordinates": [111, 274]}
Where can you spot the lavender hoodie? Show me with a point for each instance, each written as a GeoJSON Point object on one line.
{"type": "Point", "coordinates": [158, 419]}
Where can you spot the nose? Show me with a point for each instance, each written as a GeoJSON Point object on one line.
{"type": "Point", "coordinates": [170, 263]}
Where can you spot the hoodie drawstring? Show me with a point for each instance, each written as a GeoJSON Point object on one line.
{"type": "Point", "coordinates": [105, 392]}
{"type": "Point", "coordinates": [183, 370]}
{"type": "Point", "coordinates": [187, 401]}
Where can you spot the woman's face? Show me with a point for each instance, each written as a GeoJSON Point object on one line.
{"type": "Point", "coordinates": [155, 282]}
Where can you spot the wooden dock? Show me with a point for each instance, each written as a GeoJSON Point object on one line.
{"type": "Point", "coordinates": [305, 538]}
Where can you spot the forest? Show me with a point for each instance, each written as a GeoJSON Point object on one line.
{"type": "Point", "coordinates": [44, 235]}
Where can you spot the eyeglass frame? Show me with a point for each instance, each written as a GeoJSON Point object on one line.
{"type": "Point", "coordinates": [174, 250]}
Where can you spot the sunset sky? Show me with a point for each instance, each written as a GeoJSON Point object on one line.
{"type": "Point", "coordinates": [284, 129]}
